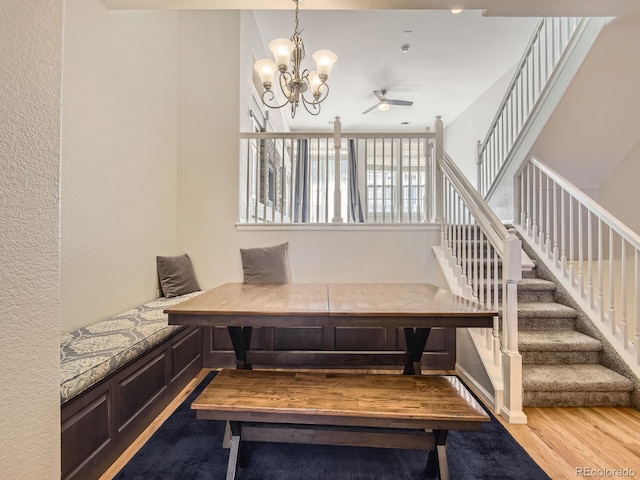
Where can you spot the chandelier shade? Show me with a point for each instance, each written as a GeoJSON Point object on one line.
{"type": "Point", "coordinates": [298, 85]}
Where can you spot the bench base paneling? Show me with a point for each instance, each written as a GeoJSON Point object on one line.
{"type": "Point", "coordinates": [101, 422]}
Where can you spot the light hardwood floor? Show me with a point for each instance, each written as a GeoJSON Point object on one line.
{"type": "Point", "coordinates": [568, 443]}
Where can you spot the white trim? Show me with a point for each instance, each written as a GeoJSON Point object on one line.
{"type": "Point", "coordinates": [479, 390]}
{"type": "Point", "coordinates": [429, 227]}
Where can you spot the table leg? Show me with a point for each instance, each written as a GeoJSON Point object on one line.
{"type": "Point", "coordinates": [415, 340]}
{"type": "Point", "coordinates": [437, 466]}
{"type": "Point", "coordinates": [241, 340]}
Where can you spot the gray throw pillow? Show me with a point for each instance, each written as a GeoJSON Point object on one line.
{"type": "Point", "coordinates": [177, 276]}
{"type": "Point", "coordinates": [266, 265]}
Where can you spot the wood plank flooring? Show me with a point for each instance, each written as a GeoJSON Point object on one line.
{"type": "Point", "coordinates": [568, 443]}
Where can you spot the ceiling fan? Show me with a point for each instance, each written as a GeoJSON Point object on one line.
{"type": "Point", "coordinates": [385, 103]}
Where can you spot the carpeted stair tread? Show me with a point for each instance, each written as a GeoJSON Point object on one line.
{"type": "Point", "coordinates": [573, 378]}
{"type": "Point", "coordinates": [533, 284]}
{"type": "Point", "coordinates": [545, 310]}
{"type": "Point", "coordinates": [536, 284]}
{"type": "Point", "coordinates": [557, 341]}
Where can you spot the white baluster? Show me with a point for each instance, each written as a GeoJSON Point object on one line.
{"type": "Point", "coordinates": [571, 244]}
{"type": "Point", "coordinates": [623, 290]}
{"type": "Point", "coordinates": [337, 194]}
{"type": "Point", "coordinates": [590, 258]}
{"type": "Point", "coordinates": [563, 256]}
{"type": "Point", "coordinates": [612, 318]}
{"type": "Point", "coordinates": [580, 253]}
{"type": "Point", "coordinates": [636, 336]}
{"type": "Point", "coordinates": [600, 273]}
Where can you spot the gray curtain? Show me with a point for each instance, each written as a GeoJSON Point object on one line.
{"type": "Point", "coordinates": [302, 192]}
{"type": "Point", "coordinates": [355, 207]}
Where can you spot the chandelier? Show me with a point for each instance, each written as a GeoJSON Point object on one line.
{"type": "Point", "coordinates": [295, 82]}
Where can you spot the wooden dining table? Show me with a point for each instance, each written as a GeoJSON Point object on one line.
{"type": "Point", "coordinates": [414, 307]}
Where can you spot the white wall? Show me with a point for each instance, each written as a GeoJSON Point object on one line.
{"type": "Point", "coordinates": [119, 157]}
{"type": "Point", "coordinates": [31, 59]}
{"type": "Point", "coordinates": [462, 134]}
{"type": "Point", "coordinates": [620, 194]}
{"type": "Point", "coordinates": [595, 125]}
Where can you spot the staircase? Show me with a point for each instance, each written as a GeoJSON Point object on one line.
{"type": "Point", "coordinates": [561, 366]}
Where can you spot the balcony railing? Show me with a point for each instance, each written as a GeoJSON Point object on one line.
{"type": "Point", "coordinates": [337, 177]}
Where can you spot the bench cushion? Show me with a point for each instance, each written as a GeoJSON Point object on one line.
{"type": "Point", "coordinates": [90, 353]}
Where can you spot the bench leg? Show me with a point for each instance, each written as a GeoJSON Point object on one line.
{"type": "Point", "coordinates": [232, 466]}
{"type": "Point", "coordinates": [437, 466]}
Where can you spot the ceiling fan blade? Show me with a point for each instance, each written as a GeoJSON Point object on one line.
{"type": "Point", "coordinates": [405, 103]}
{"type": "Point", "coordinates": [372, 108]}
{"type": "Point", "coordinates": [379, 94]}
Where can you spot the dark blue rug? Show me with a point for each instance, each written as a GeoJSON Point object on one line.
{"type": "Point", "coordinates": [185, 448]}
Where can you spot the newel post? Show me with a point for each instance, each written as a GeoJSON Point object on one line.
{"type": "Point", "coordinates": [337, 194]}
{"type": "Point", "coordinates": [479, 167]}
{"type": "Point", "coordinates": [511, 358]}
{"type": "Point", "coordinates": [439, 198]}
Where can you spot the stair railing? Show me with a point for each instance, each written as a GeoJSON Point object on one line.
{"type": "Point", "coordinates": [547, 50]}
{"type": "Point", "coordinates": [593, 254]}
{"type": "Point", "coordinates": [485, 257]}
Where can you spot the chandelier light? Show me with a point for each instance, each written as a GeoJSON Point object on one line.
{"type": "Point", "coordinates": [295, 82]}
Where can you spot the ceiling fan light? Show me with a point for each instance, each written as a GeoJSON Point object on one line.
{"type": "Point", "coordinates": [265, 68]}
{"type": "Point", "coordinates": [281, 49]}
{"type": "Point", "coordinates": [384, 105]}
{"type": "Point", "coordinates": [324, 61]}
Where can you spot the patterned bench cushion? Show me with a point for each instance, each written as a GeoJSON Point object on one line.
{"type": "Point", "coordinates": [89, 354]}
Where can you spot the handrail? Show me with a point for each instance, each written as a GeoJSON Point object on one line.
{"type": "Point", "coordinates": [487, 218]}
{"type": "Point", "coordinates": [514, 79]}
{"type": "Point", "coordinates": [329, 134]}
{"type": "Point", "coordinates": [611, 220]}
{"type": "Point", "coordinates": [546, 52]}
{"type": "Point", "coordinates": [492, 220]}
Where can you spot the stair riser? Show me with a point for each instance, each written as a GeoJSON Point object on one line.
{"type": "Point", "coordinates": [560, 358]}
{"type": "Point", "coordinates": [483, 274]}
{"type": "Point", "coordinates": [535, 296]}
{"type": "Point", "coordinates": [576, 399]}
{"type": "Point", "coordinates": [527, 295]}
{"type": "Point", "coordinates": [546, 323]}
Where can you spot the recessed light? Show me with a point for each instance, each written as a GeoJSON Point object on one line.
{"type": "Point", "coordinates": [456, 11]}
{"type": "Point", "coordinates": [405, 48]}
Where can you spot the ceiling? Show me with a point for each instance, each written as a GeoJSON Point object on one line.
{"type": "Point", "coordinates": [452, 59]}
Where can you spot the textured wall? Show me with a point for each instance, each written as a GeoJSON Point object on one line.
{"type": "Point", "coordinates": [30, 70]}
{"type": "Point", "coordinates": [119, 158]}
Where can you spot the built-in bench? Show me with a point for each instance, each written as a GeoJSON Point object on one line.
{"type": "Point", "coordinates": [116, 376]}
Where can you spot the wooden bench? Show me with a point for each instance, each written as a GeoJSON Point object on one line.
{"type": "Point", "coordinates": [384, 410]}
